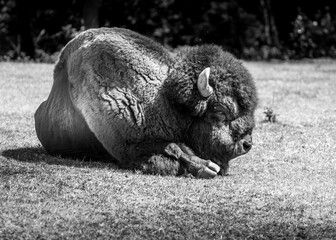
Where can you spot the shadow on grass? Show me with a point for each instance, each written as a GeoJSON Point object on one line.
{"type": "Point", "coordinates": [39, 155]}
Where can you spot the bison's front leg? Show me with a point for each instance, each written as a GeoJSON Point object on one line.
{"type": "Point", "coordinates": [168, 159]}
{"type": "Point", "coordinates": [149, 157]}
{"type": "Point", "coordinates": [198, 167]}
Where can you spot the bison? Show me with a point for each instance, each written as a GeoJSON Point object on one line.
{"type": "Point", "coordinates": [120, 95]}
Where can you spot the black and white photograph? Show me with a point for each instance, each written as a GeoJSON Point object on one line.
{"type": "Point", "coordinates": [167, 119]}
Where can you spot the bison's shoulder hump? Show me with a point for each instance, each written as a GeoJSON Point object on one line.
{"type": "Point", "coordinates": [121, 44]}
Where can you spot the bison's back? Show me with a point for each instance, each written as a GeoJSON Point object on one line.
{"type": "Point", "coordinates": [103, 81]}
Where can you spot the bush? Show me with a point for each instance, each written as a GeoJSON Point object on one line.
{"type": "Point", "coordinates": [312, 38]}
{"type": "Point", "coordinates": [50, 43]}
{"type": "Point", "coordinates": [47, 46]}
{"type": "Point", "coordinates": [236, 25]}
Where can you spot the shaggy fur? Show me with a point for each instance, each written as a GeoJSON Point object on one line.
{"type": "Point", "coordinates": [120, 95]}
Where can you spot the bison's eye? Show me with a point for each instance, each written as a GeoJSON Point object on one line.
{"type": "Point", "coordinates": [220, 116]}
{"type": "Point", "coordinates": [221, 113]}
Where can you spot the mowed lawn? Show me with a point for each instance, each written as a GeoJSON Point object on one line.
{"type": "Point", "coordinates": [285, 188]}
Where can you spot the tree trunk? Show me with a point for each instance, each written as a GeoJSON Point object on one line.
{"type": "Point", "coordinates": [271, 32]}
{"type": "Point", "coordinates": [24, 28]}
{"type": "Point", "coordinates": [91, 13]}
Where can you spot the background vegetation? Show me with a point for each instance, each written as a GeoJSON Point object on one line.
{"type": "Point", "coordinates": [254, 29]}
{"type": "Point", "coordinates": [284, 188]}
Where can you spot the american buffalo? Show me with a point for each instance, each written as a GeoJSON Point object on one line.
{"type": "Point", "coordinates": [120, 95]}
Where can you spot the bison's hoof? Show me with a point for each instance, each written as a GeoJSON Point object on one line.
{"type": "Point", "coordinates": [206, 173]}
{"type": "Point", "coordinates": [209, 171]}
{"type": "Point", "coordinates": [213, 166]}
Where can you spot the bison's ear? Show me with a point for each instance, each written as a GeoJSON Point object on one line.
{"type": "Point", "coordinates": [203, 83]}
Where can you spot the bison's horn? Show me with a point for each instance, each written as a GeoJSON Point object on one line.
{"type": "Point", "coordinates": [203, 83]}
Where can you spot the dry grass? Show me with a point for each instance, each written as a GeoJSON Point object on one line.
{"type": "Point", "coordinates": [285, 188]}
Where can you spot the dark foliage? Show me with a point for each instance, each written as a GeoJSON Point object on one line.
{"type": "Point", "coordinates": [255, 29]}
{"type": "Point", "coordinates": [314, 37]}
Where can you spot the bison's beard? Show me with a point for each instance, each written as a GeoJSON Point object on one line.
{"type": "Point", "coordinates": [213, 143]}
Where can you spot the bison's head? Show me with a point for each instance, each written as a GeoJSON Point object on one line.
{"type": "Point", "coordinates": [222, 99]}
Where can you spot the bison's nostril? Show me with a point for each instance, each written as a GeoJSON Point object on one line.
{"type": "Point", "coordinates": [247, 145]}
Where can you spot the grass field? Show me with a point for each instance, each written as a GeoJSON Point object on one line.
{"type": "Point", "coordinates": [285, 188]}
